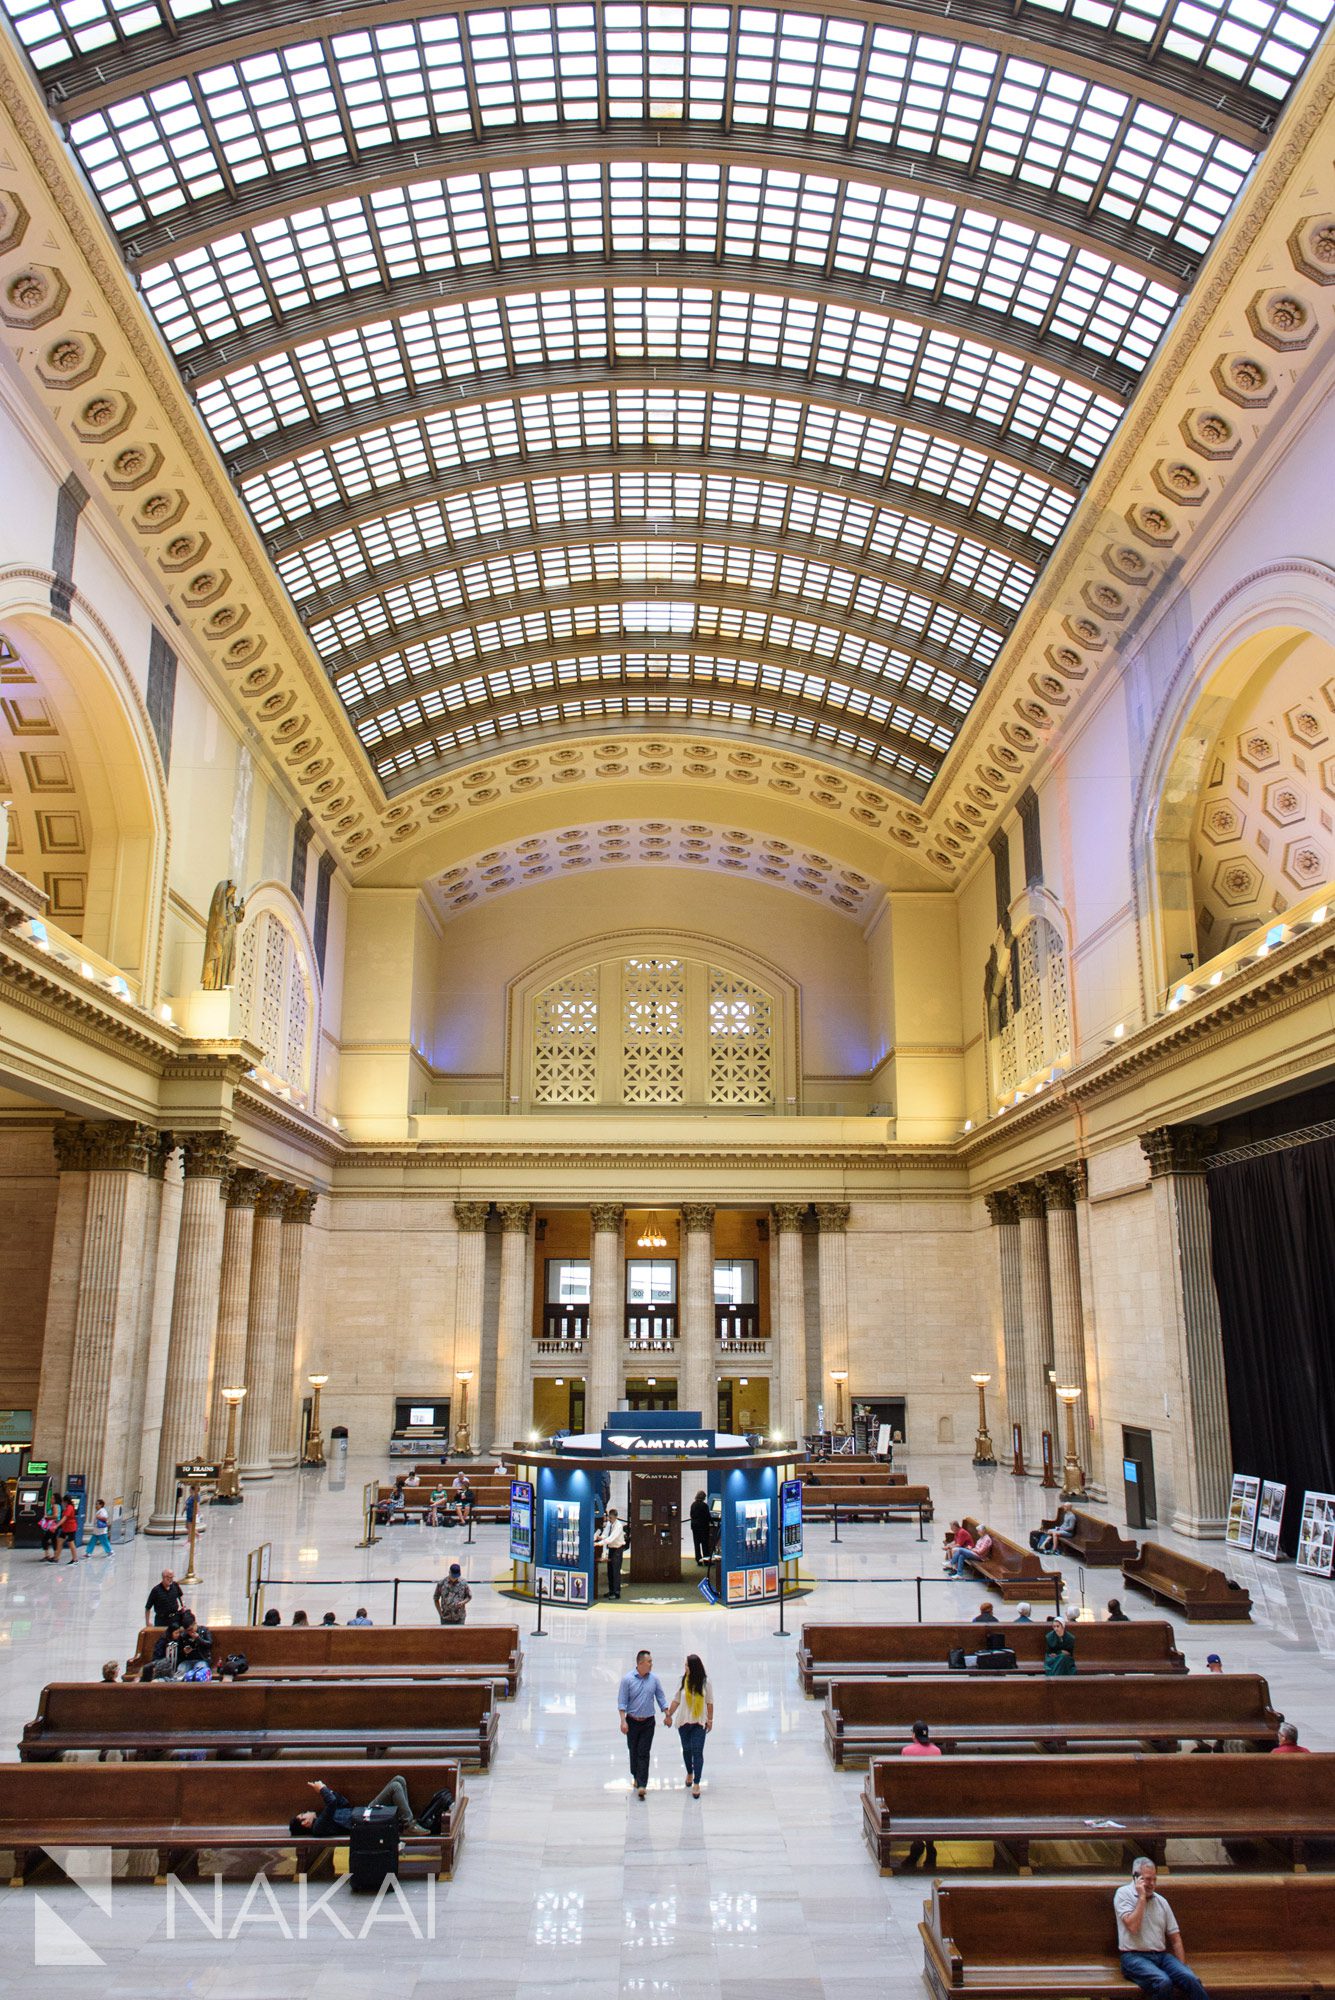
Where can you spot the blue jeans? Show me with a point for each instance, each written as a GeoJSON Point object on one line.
{"type": "Point", "coordinates": [960, 1557]}
{"type": "Point", "coordinates": [691, 1736]}
{"type": "Point", "coordinates": [1160, 1974]}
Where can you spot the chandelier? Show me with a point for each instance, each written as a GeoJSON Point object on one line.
{"type": "Point", "coordinates": [651, 1237]}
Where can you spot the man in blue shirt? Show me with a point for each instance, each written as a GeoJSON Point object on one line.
{"type": "Point", "coordinates": [635, 1699]}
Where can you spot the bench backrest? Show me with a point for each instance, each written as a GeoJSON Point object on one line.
{"type": "Point", "coordinates": [227, 1795]}
{"type": "Point", "coordinates": [874, 1494]}
{"type": "Point", "coordinates": [244, 1706]}
{"type": "Point", "coordinates": [1149, 1640]}
{"type": "Point", "coordinates": [351, 1647]}
{"type": "Point", "coordinates": [1005, 1554]}
{"type": "Point", "coordinates": [1067, 1922]}
{"type": "Point", "coordinates": [1210, 1702]}
{"type": "Point", "coordinates": [1120, 1787]}
{"type": "Point", "coordinates": [1156, 1560]}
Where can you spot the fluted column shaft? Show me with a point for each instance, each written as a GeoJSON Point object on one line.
{"type": "Point", "coordinates": [1202, 1450]}
{"type": "Point", "coordinates": [832, 1271]}
{"type": "Point", "coordinates": [229, 1372]}
{"type": "Point", "coordinates": [194, 1323]}
{"type": "Point", "coordinates": [107, 1310]}
{"type": "Point", "coordinates": [607, 1313]}
{"type": "Point", "coordinates": [470, 1278]}
{"type": "Point", "coordinates": [1005, 1214]}
{"type": "Point", "coordinates": [514, 1397]}
{"type": "Point", "coordinates": [788, 1311]}
{"type": "Point", "coordinates": [298, 1208]}
{"type": "Point", "coordinates": [159, 1343]}
{"type": "Point", "coordinates": [699, 1374]}
{"type": "Point", "coordinates": [1079, 1177]}
{"type": "Point", "coordinates": [1068, 1320]}
{"type": "Point", "coordinates": [126, 1480]}
{"type": "Point", "coordinates": [262, 1331]}
{"type": "Point", "coordinates": [1036, 1308]}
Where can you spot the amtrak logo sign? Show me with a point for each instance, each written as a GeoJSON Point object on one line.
{"type": "Point", "coordinates": [699, 1441]}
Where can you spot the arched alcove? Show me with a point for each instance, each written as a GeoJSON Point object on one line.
{"type": "Point", "coordinates": [277, 989]}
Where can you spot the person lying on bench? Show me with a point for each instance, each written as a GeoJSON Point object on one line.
{"type": "Point", "coordinates": [1149, 1940]}
{"type": "Point", "coordinates": [336, 1814]}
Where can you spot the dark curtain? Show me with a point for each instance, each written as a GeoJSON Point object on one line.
{"type": "Point", "coordinates": [1272, 1222]}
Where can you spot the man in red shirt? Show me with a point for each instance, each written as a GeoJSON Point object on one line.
{"type": "Point", "coordinates": [1288, 1744]}
{"type": "Point", "coordinates": [920, 1745]}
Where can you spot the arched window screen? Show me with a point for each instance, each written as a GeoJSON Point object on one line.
{"type": "Point", "coordinates": [1028, 1014]}
{"type": "Point", "coordinates": [275, 999]}
{"type": "Point", "coordinates": [653, 1032]}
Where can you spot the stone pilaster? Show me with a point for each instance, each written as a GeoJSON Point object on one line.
{"type": "Point", "coordinates": [298, 1208]}
{"type": "Point", "coordinates": [1068, 1319]}
{"type": "Point", "coordinates": [832, 1270]}
{"type": "Point", "coordinates": [470, 1281]}
{"type": "Point", "coordinates": [1005, 1216]}
{"type": "Point", "coordinates": [698, 1373]}
{"type": "Point", "coordinates": [1202, 1454]}
{"type": "Point", "coordinates": [788, 1316]}
{"type": "Point", "coordinates": [262, 1331]}
{"type": "Point", "coordinates": [206, 1159]}
{"type": "Point", "coordinates": [514, 1370]}
{"type": "Point", "coordinates": [1036, 1308]}
{"type": "Point", "coordinates": [240, 1193]}
{"type": "Point", "coordinates": [607, 1313]}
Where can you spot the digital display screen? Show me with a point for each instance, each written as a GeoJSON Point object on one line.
{"type": "Point", "coordinates": [422, 1413]}
{"type": "Point", "coordinates": [521, 1520]}
{"type": "Point", "coordinates": [791, 1515]}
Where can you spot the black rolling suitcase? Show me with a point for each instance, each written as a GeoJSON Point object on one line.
{"type": "Point", "coordinates": [373, 1847]}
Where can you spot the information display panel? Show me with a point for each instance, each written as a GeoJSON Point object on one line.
{"type": "Point", "coordinates": [521, 1520]}
{"type": "Point", "coordinates": [790, 1539]}
{"type": "Point", "coordinates": [1269, 1520]}
{"type": "Point", "coordinates": [1316, 1535]}
{"type": "Point", "coordinates": [1241, 1529]}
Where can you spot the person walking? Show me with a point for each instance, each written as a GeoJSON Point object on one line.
{"type": "Point", "coordinates": [101, 1534]}
{"type": "Point", "coordinates": [1149, 1941]}
{"type": "Point", "coordinates": [452, 1597]}
{"type": "Point", "coordinates": [47, 1526]}
{"type": "Point", "coordinates": [164, 1600]}
{"type": "Point", "coordinates": [695, 1699]}
{"type": "Point", "coordinates": [67, 1536]}
{"type": "Point", "coordinates": [702, 1528]}
{"type": "Point", "coordinates": [636, 1697]}
{"type": "Point", "coordinates": [612, 1542]}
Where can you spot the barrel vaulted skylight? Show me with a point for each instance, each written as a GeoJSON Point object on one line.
{"type": "Point", "coordinates": [716, 366]}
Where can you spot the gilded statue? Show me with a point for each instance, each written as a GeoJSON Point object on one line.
{"type": "Point", "coordinates": [225, 914]}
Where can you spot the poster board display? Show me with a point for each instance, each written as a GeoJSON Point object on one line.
{"type": "Point", "coordinates": [1316, 1535]}
{"type": "Point", "coordinates": [1241, 1528]}
{"type": "Point", "coordinates": [790, 1508]}
{"type": "Point", "coordinates": [521, 1520]}
{"type": "Point", "coordinates": [1269, 1519]}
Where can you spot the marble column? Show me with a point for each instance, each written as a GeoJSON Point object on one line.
{"type": "Point", "coordinates": [159, 1345]}
{"type": "Point", "coordinates": [832, 1271]}
{"type": "Point", "coordinates": [1005, 1214]}
{"type": "Point", "coordinates": [159, 1152]}
{"type": "Point", "coordinates": [298, 1208]}
{"type": "Point", "coordinates": [1079, 1175]}
{"type": "Point", "coordinates": [470, 1278]}
{"type": "Point", "coordinates": [1197, 1399]}
{"type": "Point", "coordinates": [229, 1372]}
{"type": "Point", "coordinates": [788, 1318]}
{"type": "Point", "coordinates": [514, 1344]}
{"type": "Point", "coordinates": [1036, 1312]}
{"type": "Point", "coordinates": [206, 1159]}
{"type": "Point", "coordinates": [62, 1296]}
{"type": "Point", "coordinates": [698, 1372]}
{"type": "Point", "coordinates": [607, 1313]}
{"type": "Point", "coordinates": [107, 1315]}
{"type": "Point", "coordinates": [262, 1331]}
{"type": "Point", "coordinates": [1068, 1320]}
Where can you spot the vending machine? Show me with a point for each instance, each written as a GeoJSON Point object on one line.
{"type": "Point", "coordinates": [32, 1499]}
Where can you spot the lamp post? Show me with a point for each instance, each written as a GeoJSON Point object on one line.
{"type": "Point", "coordinates": [228, 1491]}
{"type": "Point", "coordinates": [463, 1443]}
{"type": "Point", "coordinates": [1073, 1473]}
{"type": "Point", "coordinates": [839, 1376]}
{"type": "Point", "coordinates": [983, 1453]}
{"type": "Point", "coordinates": [314, 1452]}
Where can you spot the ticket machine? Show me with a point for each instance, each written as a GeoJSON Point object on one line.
{"type": "Point", "coordinates": [32, 1499]}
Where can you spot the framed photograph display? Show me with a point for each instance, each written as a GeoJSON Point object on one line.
{"type": "Point", "coordinates": [559, 1583]}
{"type": "Point", "coordinates": [1316, 1535]}
{"type": "Point", "coordinates": [736, 1586]}
{"type": "Point", "coordinates": [755, 1583]}
{"type": "Point", "coordinates": [771, 1582]}
{"type": "Point", "coordinates": [542, 1582]}
{"type": "Point", "coordinates": [1269, 1520]}
{"type": "Point", "coordinates": [578, 1587]}
{"type": "Point", "coordinates": [1241, 1529]}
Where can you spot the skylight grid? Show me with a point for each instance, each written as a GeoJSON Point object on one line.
{"type": "Point", "coordinates": [1243, 41]}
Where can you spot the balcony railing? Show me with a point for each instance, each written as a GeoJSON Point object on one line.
{"type": "Point", "coordinates": [738, 1328]}
{"type": "Point", "coordinates": [651, 1329]}
{"type": "Point", "coordinates": [565, 1329]}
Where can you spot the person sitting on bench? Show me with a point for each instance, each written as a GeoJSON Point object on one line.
{"type": "Point", "coordinates": [1149, 1940]}
{"type": "Point", "coordinates": [336, 1814]}
{"type": "Point", "coordinates": [1288, 1744]}
{"type": "Point", "coordinates": [1047, 1544]}
{"type": "Point", "coordinates": [464, 1504]}
{"type": "Point", "coordinates": [1059, 1649]}
{"type": "Point", "coordinates": [958, 1541]}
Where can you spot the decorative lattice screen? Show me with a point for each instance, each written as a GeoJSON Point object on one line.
{"type": "Point", "coordinates": [653, 1040]}
{"type": "Point", "coordinates": [274, 998]}
{"type": "Point", "coordinates": [1037, 1033]}
{"type": "Point", "coordinates": [741, 1041]}
{"type": "Point", "coordinates": [565, 1040]}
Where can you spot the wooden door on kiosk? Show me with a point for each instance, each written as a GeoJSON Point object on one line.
{"type": "Point", "coordinates": [655, 1526]}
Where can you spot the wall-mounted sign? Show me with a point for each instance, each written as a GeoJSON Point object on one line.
{"type": "Point", "coordinates": [198, 1469]}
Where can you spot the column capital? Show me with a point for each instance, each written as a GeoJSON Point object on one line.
{"type": "Point", "coordinates": [788, 1214]}
{"type": "Point", "coordinates": [471, 1216]}
{"type": "Point", "coordinates": [1057, 1189]}
{"type": "Point", "coordinates": [1002, 1207]}
{"type": "Point", "coordinates": [515, 1216]}
{"type": "Point", "coordinates": [161, 1150]}
{"type": "Point", "coordinates": [1079, 1177]}
{"type": "Point", "coordinates": [106, 1146]}
{"type": "Point", "coordinates": [607, 1215]}
{"type": "Point", "coordinates": [832, 1217]}
{"type": "Point", "coordinates": [241, 1189]}
{"type": "Point", "coordinates": [1175, 1149]}
{"type": "Point", "coordinates": [270, 1199]}
{"type": "Point", "coordinates": [697, 1215]}
{"type": "Point", "coordinates": [207, 1155]}
{"type": "Point", "coordinates": [1029, 1201]}
{"type": "Point", "coordinates": [299, 1204]}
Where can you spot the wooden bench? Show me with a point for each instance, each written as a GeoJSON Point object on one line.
{"type": "Point", "coordinates": [1095, 1543]}
{"type": "Point", "coordinates": [866, 1719]}
{"type": "Point", "coordinates": [1200, 1592]}
{"type": "Point", "coordinates": [1252, 1934]}
{"type": "Point", "coordinates": [1012, 1571]}
{"type": "Point", "coordinates": [870, 1652]}
{"type": "Point", "coordinates": [876, 1501]}
{"type": "Point", "coordinates": [361, 1652]}
{"type": "Point", "coordinates": [414, 1500]}
{"type": "Point", "coordinates": [265, 1718]}
{"type": "Point", "coordinates": [850, 1472]}
{"type": "Point", "coordinates": [1016, 1801]}
{"type": "Point", "coordinates": [180, 1811]}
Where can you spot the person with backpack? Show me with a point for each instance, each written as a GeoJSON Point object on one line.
{"type": "Point", "coordinates": [101, 1535]}
{"type": "Point", "coordinates": [452, 1597]}
{"type": "Point", "coordinates": [336, 1815]}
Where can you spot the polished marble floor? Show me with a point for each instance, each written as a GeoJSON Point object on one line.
{"type": "Point", "coordinates": [761, 1890]}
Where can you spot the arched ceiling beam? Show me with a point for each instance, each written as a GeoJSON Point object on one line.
{"type": "Point", "coordinates": [810, 610]}
{"type": "Point", "coordinates": [194, 42]}
{"type": "Point", "coordinates": [678, 142]}
{"type": "Point", "coordinates": [527, 540]}
{"type": "Point", "coordinates": [593, 645]}
{"type": "Point", "coordinates": [756, 382]}
{"type": "Point", "coordinates": [672, 270]}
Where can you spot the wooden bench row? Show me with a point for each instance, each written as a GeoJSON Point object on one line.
{"type": "Point", "coordinates": [180, 1811]}
{"type": "Point", "coordinates": [875, 1501]}
{"type": "Point", "coordinates": [874, 1718]}
{"type": "Point", "coordinates": [1259, 1935]}
{"type": "Point", "coordinates": [1011, 1571]}
{"type": "Point", "coordinates": [1097, 1544]}
{"type": "Point", "coordinates": [266, 1719]}
{"type": "Point", "coordinates": [489, 1503]}
{"type": "Point", "coordinates": [1196, 1589]}
{"type": "Point", "coordinates": [873, 1652]}
{"type": "Point", "coordinates": [1016, 1802]}
{"type": "Point", "coordinates": [362, 1652]}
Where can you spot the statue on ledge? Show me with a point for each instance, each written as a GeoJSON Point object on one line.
{"type": "Point", "coordinates": [225, 914]}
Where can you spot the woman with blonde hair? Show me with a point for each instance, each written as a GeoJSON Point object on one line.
{"type": "Point", "coordinates": [695, 1699]}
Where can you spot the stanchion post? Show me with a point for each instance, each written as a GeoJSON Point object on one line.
{"type": "Point", "coordinates": [921, 1536]}
{"type": "Point", "coordinates": [782, 1632]}
{"type": "Point", "coordinates": [394, 1609]}
{"type": "Point", "coordinates": [537, 1632]}
{"type": "Point", "coordinates": [470, 1528]}
{"type": "Point", "coordinates": [836, 1520]}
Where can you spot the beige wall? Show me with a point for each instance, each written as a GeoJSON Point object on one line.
{"type": "Point", "coordinates": [28, 1183]}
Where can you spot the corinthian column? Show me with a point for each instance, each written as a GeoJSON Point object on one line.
{"type": "Point", "coordinates": [1036, 1304]}
{"type": "Point", "coordinates": [262, 1331]}
{"type": "Point", "coordinates": [194, 1323]}
{"type": "Point", "coordinates": [1005, 1214]}
{"type": "Point", "coordinates": [470, 1277]}
{"type": "Point", "coordinates": [126, 1480]}
{"type": "Point", "coordinates": [607, 1312]}
{"type": "Point", "coordinates": [788, 1312]}
{"type": "Point", "coordinates": [1202, 1453]}
{"type": "Point", "coordinates": [298, 1208]}
{"type": "Point", "coordinates": [1068, 1321]}
{"type": "Point", "coordinates": [696, 1332]}
{"type": "Point", "coordinates": [514, 1399]}
{"type": "Point", "coordinates": [240, 1195]}
{"type": "Point", "coordinates": [832, 1271]}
